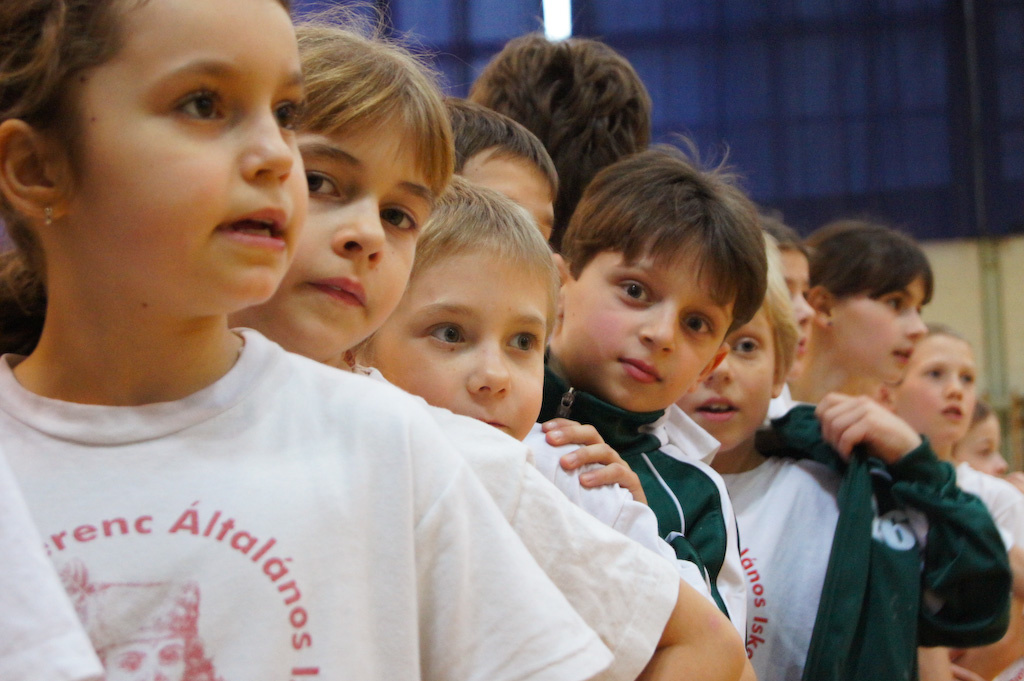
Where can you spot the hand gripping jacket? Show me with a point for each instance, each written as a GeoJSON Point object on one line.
{"type": "Point", "coordinates": [915, 560]}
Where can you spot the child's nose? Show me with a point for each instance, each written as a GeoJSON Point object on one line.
{"type": "Point", "coordinates": [268, 155]}
{"type": "Point", "coordinates": [802, 310]}
{"type": "Point", "coordinates": [659, 328]}
{"type": "Point", "coordinates": [916, 328]}
{"type": "Point", "coordinates": [490, 375]}
{"type": "Point", "coordinates": [361, 234]}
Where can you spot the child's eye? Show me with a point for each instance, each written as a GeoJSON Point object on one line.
{"type": "Point", "coordinates": [320, 184]}
{"type": "Point", "coordinates": [447, 333]}
{"type": "Point", "coordinates": [745, 345]}
{"type": "Point", "coordinates": [288, 115]}
{"type": "Point", "coordinates": [398, 218]}
{"type": "Point", "coordinates": [524, 341]}
{"type": "Point", "coordinates": [202, 105]}
{"type": "Point", "coordinates": [934, 373]}
{"type": "Point", "coordinates": [634, 290]}
{"type": "Point", "coordinates": [968, 379]}
{"type": "Point", "coordinates": [697, 324]}
{"type": "Point", "coordinates": [896, 303]}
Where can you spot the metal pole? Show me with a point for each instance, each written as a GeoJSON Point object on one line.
{"type": "Point", "coordinates": [988, 247]}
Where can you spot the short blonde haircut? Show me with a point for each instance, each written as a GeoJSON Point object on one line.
{"type": "Point", "coordinates": [356, 81]}
{"type": "Point", "coordinates": [778, 308]}
{"type": "Point", "coordinates": [469, 218]}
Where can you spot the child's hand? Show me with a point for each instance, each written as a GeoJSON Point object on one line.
{"type": "Point", "coordinates": [847, 421]}
{"type": "Point", "coordinates": [592, 450]}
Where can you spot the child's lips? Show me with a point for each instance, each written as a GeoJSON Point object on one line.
{"type": "Point", "coordinates": [717, 410]}
{"type": "Point", "coordinates": [263, 227]}
{"type": "Point", "coordinates": [640, 370]}
{"type": "Point", "coordinates": [346, 290]}
{"type": "Point", "coordinates": [500, 425]}
{"type": "Point", "coordinates": [954, 413]}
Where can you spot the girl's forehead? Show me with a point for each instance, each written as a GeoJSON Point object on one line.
{"type": "Point", "coordinates": [414, 148]}
{"type": "Point", "coordinates": [943, 347]}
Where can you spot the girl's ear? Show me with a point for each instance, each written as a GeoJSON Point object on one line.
{"type": "Point", "coordinates": [821, 301]}
{"type": "Point", "coordinates": [886, 397]}
{"type": "Point", "coordinates": [31, 170]}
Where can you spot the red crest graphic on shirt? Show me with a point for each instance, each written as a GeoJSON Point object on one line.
{"type": "Point", "coordinates": [141, 631]}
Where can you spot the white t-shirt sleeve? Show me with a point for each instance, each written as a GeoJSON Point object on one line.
{"type": "Point", "coordinates": [623, 591]}
{"type": "Point", "coordinates": [612, 505]}
{"type": "Point", "coordinates": [1004, 501]}
{"type": "Point", "coordinates": [41, 639]}
{"type": "Point", "coordinates": [487, 610]}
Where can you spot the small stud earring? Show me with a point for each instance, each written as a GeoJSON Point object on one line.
{"type": "Point", "coordinates": [48, 215]}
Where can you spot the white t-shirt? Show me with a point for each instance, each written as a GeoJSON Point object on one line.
{"type": "Point", "coordinates": [787, 513]}
{"type": "Point", "coordinates": [288, 521]}
{"type": "Point", "coordinates": [623, 591]}
{"type": "Point", "coordinates": [612, 505]}
{"type": "Point", "coordinates": [1004, 501]}
{"type": "Point", "coordinates": [41, 639]}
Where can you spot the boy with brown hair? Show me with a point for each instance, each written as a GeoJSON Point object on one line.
{"type": "Point", "coordinates": [662, 260]}
{"type": "Point", "coordinates": [580, 97]}
{"type": "Point", "coordinates": [494, 151]}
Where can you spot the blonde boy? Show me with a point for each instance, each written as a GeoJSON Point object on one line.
{"type": "Point", "coordinates": [662, 260]}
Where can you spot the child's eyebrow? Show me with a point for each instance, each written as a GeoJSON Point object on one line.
{"type": "Point", "coordinates": [444, 308]}
{"type": "Point", "coordinates": [222, 69]}
{"type": "Point", "coordinates": [339, 155]}
{"type": "Point", "coordinates": [531, 319]}
{"type": "Point", "coordinates": [458, 310]}
{"type": "Point", "coordinates": [329, 152]}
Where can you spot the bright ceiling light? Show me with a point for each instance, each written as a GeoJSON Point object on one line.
{"type": "Point", "coordinates": [557, 19]}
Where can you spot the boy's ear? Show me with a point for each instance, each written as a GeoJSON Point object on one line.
{"type": "Point", "coordinates": [563, 268]}
{"type": "Point", "coordinates": [777, 388]}
{"type": "Point", "coordinates": [821, 301]}
{"type": "Point", "coordinates": [564, 276]}
{"type": "Point", "coordinates": [723, 350]}
{"type": "Point", "coordinates": [885, 396]}
{"type": "Point", "coordinates": [32, 172]}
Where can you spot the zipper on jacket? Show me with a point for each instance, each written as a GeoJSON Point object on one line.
{"type": "Point", "coordinates": [565, 404]}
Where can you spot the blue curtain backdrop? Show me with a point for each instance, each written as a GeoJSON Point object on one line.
{"type": "Point", "coordinates": [828, 108]}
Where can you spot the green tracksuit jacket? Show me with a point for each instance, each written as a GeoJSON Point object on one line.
{"type": "Point", "coordinates": [915, 561]}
